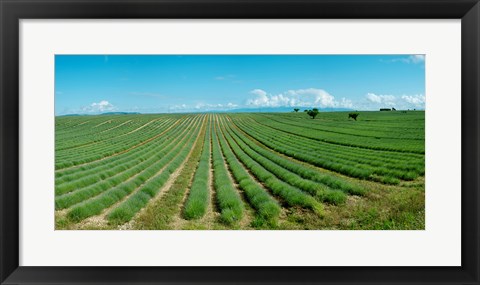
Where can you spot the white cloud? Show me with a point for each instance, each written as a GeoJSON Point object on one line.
{"type": "Point", "coordinates": [260, 99]}
{"type": "Point", "coordinates": [99, 107]}
{"type": "Point", "coordinates": [389, 100]}
{"type": "Point", "coordinates": [259, 92]}
{"type": "Point", "coordinates": [210, 107]}
{"type": "Point", "coordinates": [178, 107]}
{"type": "Point", "coordinates": [201, 107]}
{"type": "Point", "coordinates": [345, 103]}
{"type": "Point", "coordinates": [313, 96]}
{"type": "Point", "coordinates": [403, 102]}
{"type": "Point", "coordinates": [310, 97]}
{"type": "Point", "coordinates": [415, 59]}
{"type": "Point", "coordinates": [417, 100]}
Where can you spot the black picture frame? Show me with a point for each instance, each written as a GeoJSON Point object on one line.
{"type": "Point", "coordinates": [12, 11]}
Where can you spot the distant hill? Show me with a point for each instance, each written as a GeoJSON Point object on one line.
{"type": "Point", "coordinates": [108, 113]}
{"type": "Point", "coordinates": [240, 110]}
{"type": "Point", "coordinates": [72, 115]}
{"type": "Point", "coordinates": [283, 110]}
{"type": "Point", "coordinates": [120, 113]}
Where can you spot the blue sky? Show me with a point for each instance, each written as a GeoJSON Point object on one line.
{"type": "Point", "coordinates": [91, 84]}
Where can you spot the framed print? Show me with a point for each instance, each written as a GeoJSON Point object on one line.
{"type": "Point", "coordinates": [239, 142]}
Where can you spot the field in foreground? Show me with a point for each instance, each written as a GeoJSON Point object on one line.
{"type": "Point", "coordinates": [241, 171]}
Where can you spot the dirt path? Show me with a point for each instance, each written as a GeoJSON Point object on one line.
{"type": "Point", "coordinates": [103, 123]}
{"type": "Point", "coordinates": [212, 213]}
{"type": "Point", "coordinates": [210, 218]}
{"type": "Point", "coordinates": [61, 213]}
{"type": "Point", "coordinates": [178, 222]}
{"type": "Point", "coordinates": [117, 126]}
{"type": "Point", "coordinates": [121, 152]}
{"type": "Point", "coordinates": [83, 123]}
{"type": "Point", "coordinates": [141, 127]}
{"type": "Point", "coordinates": [166, 187]}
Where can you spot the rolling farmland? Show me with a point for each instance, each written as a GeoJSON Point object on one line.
{"type": "Point", "coordinates": [240, 171]}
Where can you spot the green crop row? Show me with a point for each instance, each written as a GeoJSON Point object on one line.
{"type": "Point", "coordinates": [402, 164]}
{"type": "Point", "coordinates": [352, 167]}
{"type": "Point", "coordinates": [291, 195]}
{"type": "Point", "coordinates": [81, 125]}
{"type": "Point", "coordinates": [81, 139]}
{"type": "Point", "coordinates": [319, 191]}
{"type": "Point", "coordinates": [298, 168]}
{"type": "Point", "coordinates": [387, 133]}
{"type": "Point", "coordinates": [139, 199]}
{"type": "Point", "coordinates": [72, 198]}
{"type": "Point", "coordinates": [348, 140]}
{"type": "Point", "coordinates": [228, 199]}
{"type": "Point", "coordinates": [96, 135]}
{"type": "Point", "coordinates": [65, 175]}
{"type": "Point", "coordinates": [279, 144]}
{"type": "Point", "coordinates": [267, 208]}
{"type": "Point", "coordinates": [87, 156]}
{"type": "Point", "coordinates": [100, 124]}
{"type": "Point", "coordinates": [68, 175]}
{"type": "Point", "coordinates": [83, 179]}
{"type": "Point", "coordinates": [106, 199]}
{"type": "Point", "coordinates": [383, 156]}
{"type": "Point", "coordinates": [199, 196]}
{"type": "Point", "coordinates": [94, 152]}
{"type": "Point", "coordinates": [93, 142]}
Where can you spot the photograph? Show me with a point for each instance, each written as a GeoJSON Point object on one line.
{"type": "Point", "coordinates": [190, 142]}
{"type": "Point", "coordinates": [239, 141]}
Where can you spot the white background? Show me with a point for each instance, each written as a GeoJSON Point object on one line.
{"type": "Point", "coordinates": [439, 244]}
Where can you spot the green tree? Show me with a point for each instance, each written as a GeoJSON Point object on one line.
{"type": "Point", "coordinates": [296, 110]}
{"type": "Point", "coordinates": [353, 115]}
{"type": "Point", "coordinates": [313, 113]}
